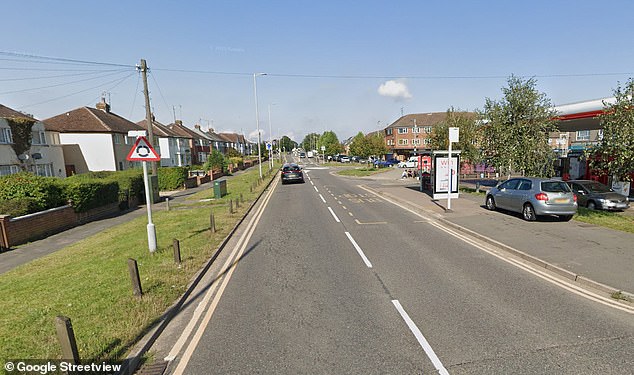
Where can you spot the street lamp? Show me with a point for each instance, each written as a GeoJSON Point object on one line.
{"type": "Point", "coordinates": [270, 138]}
{"type": "Point", "coordinates": [257, 118]}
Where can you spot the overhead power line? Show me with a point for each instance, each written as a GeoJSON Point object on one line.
{"type": "Point", "coordinates": [63, 60]}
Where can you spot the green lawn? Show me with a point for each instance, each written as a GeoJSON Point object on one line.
{"type": "Point", "coordinates": [361, 172]}
{"type": "Point", "coordinates": [89, 281]}
{"type": "Point", "coordinates": [612, 220]}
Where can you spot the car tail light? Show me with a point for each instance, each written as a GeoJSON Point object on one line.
{"type": "Point", "coordinates": [574, 196]}
{"type": "Point", "coordinates": [541, 197]}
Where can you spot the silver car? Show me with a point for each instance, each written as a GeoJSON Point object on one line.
{"type": "Point", "coordinates": [533, 197]}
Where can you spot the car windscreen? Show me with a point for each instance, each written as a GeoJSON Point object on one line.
{"type": "Point", "coordinates": [555, 187]}
{"type": "Point", "coordinates": [595, 187]}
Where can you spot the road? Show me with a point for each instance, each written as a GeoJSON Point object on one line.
{"type": "Point", "coordinates": [333, 279]}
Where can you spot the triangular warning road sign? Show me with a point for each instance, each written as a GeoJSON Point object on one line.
{"type": "Point", "coordinates": [142, 151]}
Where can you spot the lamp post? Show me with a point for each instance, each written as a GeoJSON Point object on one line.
{"type": "Point", "coordinates": [257, 118]}
{"type": "Point", "coordinates": [270, 139]}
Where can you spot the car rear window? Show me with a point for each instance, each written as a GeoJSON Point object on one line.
{"type": "Point", "coordinates": [555, 187]}
{"type": "Point", "coordinates": [291, 168]}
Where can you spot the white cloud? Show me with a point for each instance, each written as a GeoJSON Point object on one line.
{"type": "Point", "coordinates": [394, 89]}
{"type": "Point", "coordinates": [253, 136]}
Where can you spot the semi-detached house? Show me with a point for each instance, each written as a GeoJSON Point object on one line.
{"type": "Point", "coordinates": [173, 147]}
{"type": "Point", "coordinates": [94, 139]}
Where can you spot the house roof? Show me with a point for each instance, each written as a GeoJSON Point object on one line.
{"type": "Point", "coordinates": [159, 129]}
{"type": "Point", "coordinates": [90, 120]}
{"type": "Point", "coordinates": [6, 112]}
{"type": "Point", "coordinates": [182, 130]}
{"type": "Point", "coordinates": [422, 119]}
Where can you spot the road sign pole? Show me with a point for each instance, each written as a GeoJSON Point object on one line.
{"type": "Point", "coordinates": [151, 233]}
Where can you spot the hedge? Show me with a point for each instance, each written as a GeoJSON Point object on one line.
{"type": "Point", "coordinates": [172, 178]}
{"type": "Point", "coordinates": [18, 206]}
{"type": "Point", "coordinates": [88, 194]}
{"type": "Point", "coordinates": [45, 192]}
{"type": "Point", "coordinates": [130, 182]}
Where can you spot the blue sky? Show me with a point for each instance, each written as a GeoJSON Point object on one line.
{"type": "Point", "coordinates": [325, 60]}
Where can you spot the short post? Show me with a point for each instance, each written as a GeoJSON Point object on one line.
{"type": "Point", "coordinates": [167, 202]}
{"type": "Point", "coordinates": [230, 206]}
{"type": "Point", "coordinates": [66, 337]}
{"type": "Point", "coordinates": [212, 222]}
{"type": "Point", "coordinates": [177, 251]}
{"type": "Point", "coordinates": [251, 188]}
{"type": "Point", "coordinates": [237, 203]}
{"type": "Point", "coordinates": [134, 276]}
{"type": "Point", "coordinates": [241, 198]}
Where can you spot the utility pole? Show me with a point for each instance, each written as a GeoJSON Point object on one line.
{"type": "Point", "coordinates": [148, 113]}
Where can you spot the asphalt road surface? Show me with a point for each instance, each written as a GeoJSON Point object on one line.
{"type": "Point", "coordinates": [335, 280]}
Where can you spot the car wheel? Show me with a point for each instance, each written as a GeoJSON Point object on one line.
{"type": "Point", "coordinates": [591, 205]}
{"type": "Point", "coordinates": [529, 212]}
{"type": "Point", "coordinates": [490, 203]}
{"type": "Point", "coordinates": [565, 217]}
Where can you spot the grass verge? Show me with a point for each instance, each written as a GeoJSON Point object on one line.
{"type": "Point", "coordinates": [606, 219]}
{"type": "Point", "coordinates": [89, 282]}
{"type": "Point", "coordinates": [361, 172]}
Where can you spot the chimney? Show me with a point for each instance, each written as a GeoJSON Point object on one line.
{"type": "Point", "coordinates": [102, 105]}
{"type": "Point", "coordinates": [179, 122]}
{"type": "Point", "coordinates": [197, 127]}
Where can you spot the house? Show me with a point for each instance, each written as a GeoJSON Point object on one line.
{"type": "Point", "coordinates": [199, 144]}
{"type": "Point", "coordinates": [173, 147]}
{"type": "Point", "coordinates": [238, 142]}
{"type": "Point", "coordinates": [94, 139]}
{"type": "Point", "coordinates": [411, 134]}
{"type": "Point", "coordinates": [38, 154]}
{"type": "Point", "coordinates": [218, 142]}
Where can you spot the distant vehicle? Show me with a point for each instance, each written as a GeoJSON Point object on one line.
{"type": "Point", "coordinates": [292, 172]}
{"type": "Point", "coordinates": [385, 163]}
{"type": "Point", "coordinates": [302, 154]}
{"type": "Point", "coordinates": [595, 195]}
{"type": "Point", "coordinates": [310, 154]}
{"type": "Point", "coordinates": [344, 159]}
{"type": "Point", "coordinates": [533, 197]}
{"type": "Point", "coordinates": [355, 159]}
{"type": "Point", "coordinates": [412, 162]}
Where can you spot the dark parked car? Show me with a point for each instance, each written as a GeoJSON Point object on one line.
{"type": "Point", "coordinates": [292, 172]}
{"type": "Point", "coordinates": [533, 197]}
{"type": "Point", "coordinates": [595, 195]}
{"type": "Point", "coordinates": [385, 163]}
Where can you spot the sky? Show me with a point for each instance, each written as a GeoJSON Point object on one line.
{"type": "Point", "coordinates": [342, 66]}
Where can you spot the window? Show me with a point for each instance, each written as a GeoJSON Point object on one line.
{"type": "Point", "coordinates": [388, 131]}
{"type": "Point", "coordinates": [510, 184]}
{"type": "Point", "coordinates": [38, 138]}
{"type": "Point", "coordinates": [5, 136]}
{"type": "Point", "coordinates": [525, 185]}
{"type": "Point", "coordinates": [45, 170]}
{"type": "Point", "coordinates": [117, 138]}
{"type": "Point", "coordinates": [403, 142]}
{"type": "Point", "coordinates": [427, 141]}
{"type": "Point", "coordinates": [6, 170]}
{"type": "Point", "coordinates": [416, 142]}
{"type": "Point", "coordinates": [427, 129]}
{"type": "Point", "coordinates": [390, 142]}
{"type": "Point", "coordinates": [415, 129]}
{"type": "Point", "coordinates": [583, 135]}
{"type": "Point", "coordinates": [402, 130]}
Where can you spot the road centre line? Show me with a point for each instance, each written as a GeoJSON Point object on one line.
{"type": "Point", "coordinates": [315, 187]}
{"type": "Point", "coordinates": [322, 198]}
{"type": "Point", "coordinates": [421, 339]}
{"type": "Point", "coordinates": [358, 248]}
{"type": "Point", "coordinates": [333, 215]}
{"type": "Point", "coordinates": [500, 254]}
{"type": "Point", "coordinates": [350, 213]}
{"type": "Point", "coordinates": [373, 223]}
{"type": "Point", "coordinates": [229, 266]}
{"type": "Point", "coordinates": [311, 182]}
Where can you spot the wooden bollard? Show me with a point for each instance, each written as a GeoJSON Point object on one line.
{"type": "Point", "coordinates": [241, 198]}
{"type": "Point", "coordinates": [237, 203]}
{"type": "Point", "coordinates": [134, 276]}
{"type": "Point", "coordinates": [66, 337]}
{"type": "Point", "coordinates": [212, 222]}
{"type": "Point", "coordinates": [230, 206]}
{"type": "Point", "coordinates": [177, 251]}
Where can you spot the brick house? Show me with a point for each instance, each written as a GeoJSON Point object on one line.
{"type": "Point", "coordinates": [174, 148]}
{"type": "Point", "coordinates": [410, 134]}
{"type": "Point", "coordinates": [199, 144]}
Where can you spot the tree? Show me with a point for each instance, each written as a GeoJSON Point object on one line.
{"type": "Point", "coordinates": [310, 141]}
{"type": "Point", "coordinates": [216, 161]}
{"type": "Point", "coordinates": [377, 144]}
{"type": "Point", "coordinates": [614, 155]}
{"type": "Point", "coordinates": [331, 142]}
{"type": "Point", "coordinates": [470, 134]}
{"type": "Point", "coordinates": [515, 130]}
{"type": "Point", "coordinates": [360, 146]}
{"type": "Point", "coordinates": [287, 144]}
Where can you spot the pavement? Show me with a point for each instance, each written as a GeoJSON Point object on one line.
{"type": "Point", "coordinates": [592, 256]}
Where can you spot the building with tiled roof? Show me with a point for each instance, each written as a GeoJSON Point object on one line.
{"type": "Point", "coordinates": [44, 157]}
{"type": "Point", "coordinates": [173, 147]}
{"type": "Point", "coordinates": [100, 138]}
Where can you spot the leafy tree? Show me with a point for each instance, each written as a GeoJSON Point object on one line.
{"type": "Point", "coordinates": [287, 144]}
{"type": "Point", "coordinates": [215, 161]}
{"type": "Point", "coordinates": [515, 131]}
{"type": "Point", "coordinates": [231, 152]}
{"type": "Point", "coordinates": [377, 144]}
{"type": "Point", "coordinates": [330, 140]}
{"type": "Point", "coordinates": [470, 135]}
{"type": "Point", "coordinates": [614, 155]}
{"type": "Point", "coordinates": [310, 141]}
{"type": "Point", "coordinates": [360, 146]}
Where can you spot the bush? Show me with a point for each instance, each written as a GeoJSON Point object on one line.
{"type": "Point", "coordinates": [216, 162]}
{"type": "Point", "coordinates": [172, 178]}
{"type": "Point", "coordinates": [130, 182]}
{"type": "Point", "coordinates": [45, 192]}
{"type": "Point", "coordinates": [86, 194]}
{"type": "Point", "coordinates": [18, 206]}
